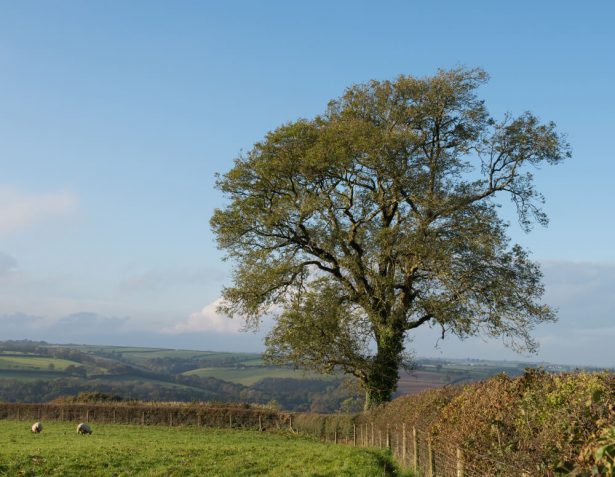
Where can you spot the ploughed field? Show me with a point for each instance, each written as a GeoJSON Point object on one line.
{"type": "Point", "coordinates": [124, 450]}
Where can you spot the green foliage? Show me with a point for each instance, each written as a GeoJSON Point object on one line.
{"type": "Point", "coordinates": [162, 451]}
{"type": "Point", "coordinates": [604, 453]}
{"type": "Point", "coordinates": [597, 458]}
{"type": "Point", "coordinates": [379, 216]}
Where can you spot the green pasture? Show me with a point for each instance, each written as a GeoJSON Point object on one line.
{"type": "Point", "coordinates": [25, 362]}
{"type": "Point", "coordinates": [144, 355]}
{"type": "Point", "coordinates": [122, 450]}
{"type": "Point", "coordinates": [27, 376]}
{"type": "Point", "coordinates": [253, 362]}
{"type": "Point", "coordinates": [252, 374]}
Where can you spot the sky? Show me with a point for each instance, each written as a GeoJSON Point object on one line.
{"type": "Point", "coordinates": [115, 117]}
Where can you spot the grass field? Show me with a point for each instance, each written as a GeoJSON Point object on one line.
{"type": "Point", "coordinates": [24, 375]}
{"type": "Point", "coordinates": [34, 362]}
{"type": "Point", "coordinates": [121, 450]}
{"type": "Point", "coordinates": [252, 374]}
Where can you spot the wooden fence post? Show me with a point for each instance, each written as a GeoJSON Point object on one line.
{"type": "Point", "coordinates": [230, 420]}
{"type": "Point", "coordinates": [373, 442]}
{"type": "Point", "coordinates": [260, 423]}
{"type": "Point", "coordinates": [198, 420]}
{"type": "Point", "coordinates": [430, 459]}
{"type": "Point", "coordinates": [62, 415]}
{"type": "Point", "coordinates": [415, 449]}
{"type": "Point", "coordinates": [380, 438]}
{"type": "Point", "coordinates": [290, 421]}
{"type": "Point", "coordinates": [388, 437]}
{"type": "Point", "coordinates": [403, 443]}
{"type": "Point", "coordinates": [335, 435]}
{"type": "Point", "coordinates": [460, 467]}
{"type": "Point", "coordinates": [354, 435]}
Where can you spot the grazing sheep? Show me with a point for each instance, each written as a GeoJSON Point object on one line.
{"type": "Point", "coordinates": [37, 427]}
{"type": "Point", "coordinates": [83, 428]}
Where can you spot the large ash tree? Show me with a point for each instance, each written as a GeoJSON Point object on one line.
{"type": "Point", "coordinates": [380, 216]}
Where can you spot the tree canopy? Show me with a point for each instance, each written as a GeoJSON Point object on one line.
{"type": "Point", "coordinates": [380, 216]}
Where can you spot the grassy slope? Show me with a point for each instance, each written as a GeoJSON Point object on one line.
{"type": "Point", "coordinates": [251, 374]}
{"type": "Point", "coordinates": [159, 451]}
{"type": "Point", "coordinates": [27, 362]}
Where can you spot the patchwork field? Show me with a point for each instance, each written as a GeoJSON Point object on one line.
{"type": "Point", "coordinates": [121, 450]}
{"type": "Point", "coordinates": [417, 381]}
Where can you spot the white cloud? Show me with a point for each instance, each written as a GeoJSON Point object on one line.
{"type": "Point", "coordinates": [19, 210]}
{"type": "Point", "coordinates": [208, 319]}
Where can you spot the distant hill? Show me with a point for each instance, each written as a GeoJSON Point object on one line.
{"type": "Point", "coordinates": [39, 371]}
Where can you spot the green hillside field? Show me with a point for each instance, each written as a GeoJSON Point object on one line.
{"type": "Point", "coordinates": [252, 374]}
{"type": "Point", "coordinates": [122, 450]}
{"type": "Point", "coordinates": [26, 362]}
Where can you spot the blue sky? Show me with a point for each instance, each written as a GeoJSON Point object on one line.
{"type": "Point", "coordinates": [114, 117]}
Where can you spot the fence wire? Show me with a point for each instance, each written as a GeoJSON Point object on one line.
{"type": "Point", "coordinates": [411, 447]}
{"type": "Point", "coordinates": [171, 415]}
{"type": "Point", "coordinates": [416, 449]}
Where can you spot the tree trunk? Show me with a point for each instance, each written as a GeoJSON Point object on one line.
{"type": "Point", "coordinates": [381, 381]}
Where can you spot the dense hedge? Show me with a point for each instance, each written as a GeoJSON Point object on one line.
{"type": "Point", "coordinates": [152, 413]}
{"type": "Point", "coordinates": [540, 422]}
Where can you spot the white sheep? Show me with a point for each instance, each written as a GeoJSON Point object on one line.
{"type": "Point", "coordinates": [83, 428]}
{"type": "Point", "coordinates": [37, 427]}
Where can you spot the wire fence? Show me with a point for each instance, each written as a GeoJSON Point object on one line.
{"type": "Point", "coordinates": [416, 449]}
{"type": "Point", "coordinates": [410, 446]}
{"type": "Point", "coordinates": [154, 414]}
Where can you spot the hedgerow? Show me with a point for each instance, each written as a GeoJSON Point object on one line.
{"type": "Point", "coordinates": [541, 423]}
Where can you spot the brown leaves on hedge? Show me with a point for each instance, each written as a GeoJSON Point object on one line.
{"type": "Point", "coordinates": [532, 423]}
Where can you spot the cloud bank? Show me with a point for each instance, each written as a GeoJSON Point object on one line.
{"type": "Point", "coordinates": [207, 320]}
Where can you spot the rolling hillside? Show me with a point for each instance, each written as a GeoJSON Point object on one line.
{"type": "Point", "coordinates": [39, 371]}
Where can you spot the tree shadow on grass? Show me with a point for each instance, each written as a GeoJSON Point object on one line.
{"type": "Point", "coordinates": [389, 468]}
